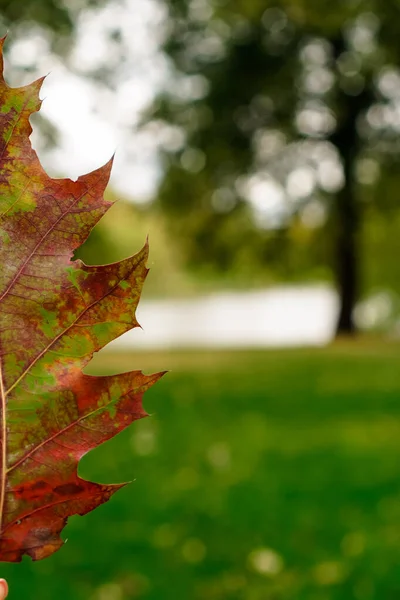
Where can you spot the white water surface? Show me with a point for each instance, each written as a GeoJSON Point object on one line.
{"type": "Point", "coordinates": [277, 317]}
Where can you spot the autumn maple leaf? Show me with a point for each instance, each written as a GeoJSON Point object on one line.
{"type": "Point", "coordinates": [54, 314]}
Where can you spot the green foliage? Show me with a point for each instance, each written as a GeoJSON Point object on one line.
{"type": "Point", "coordinates": [54, 19]}
{"type": "Point", "coordinates": [50, 13]}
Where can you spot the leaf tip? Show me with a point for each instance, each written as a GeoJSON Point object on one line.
{"type": "Point", "coordinates": [153, 378]}
{"type": "Point", "coordinates": [99, 177]}
{"type": "Point", "coordinates": [109, 163]}
{"type": "Point", "coordinates": [146, 249]}
{"type": "Point", "coordinates": [37, 85]}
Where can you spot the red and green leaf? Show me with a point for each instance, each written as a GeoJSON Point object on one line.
{"type": "Point", "coordinates": [55, 312]}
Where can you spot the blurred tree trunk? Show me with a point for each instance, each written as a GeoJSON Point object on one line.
{"type": "Point", "coordinates": [348, 209]}
{"type": "Point", "coordinates": [347, 260]}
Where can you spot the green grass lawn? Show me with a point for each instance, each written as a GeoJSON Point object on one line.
{"type": "Point", "coordinates": [261, 476]}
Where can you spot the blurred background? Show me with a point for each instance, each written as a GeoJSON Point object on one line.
{"type": "Point", "coordinates": [257, 142]}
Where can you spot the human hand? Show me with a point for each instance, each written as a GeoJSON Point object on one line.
{"type": "Point", "coordinates": [3, 589]}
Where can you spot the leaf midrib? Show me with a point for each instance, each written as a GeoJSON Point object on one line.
{"type": "Point", "coordinates": [3, 424]}
{"type": "Point", "coordinates": [3, 457]}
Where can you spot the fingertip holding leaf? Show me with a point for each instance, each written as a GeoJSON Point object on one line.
{"type": "Point", "coordinates": [3, 589]}
{"type": "Point", "coordinates": [54, 314]}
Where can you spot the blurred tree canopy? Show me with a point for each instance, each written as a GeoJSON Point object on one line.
{"type": "Point", "coordinates": [278, 129]}
{"type": "Point", "coordinates": [280, 123]}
